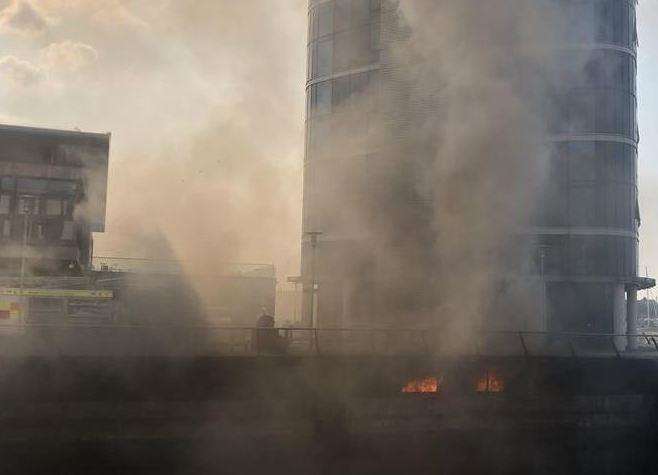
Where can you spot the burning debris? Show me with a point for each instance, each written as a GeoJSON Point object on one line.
{"type": "Point", "coordinates": [490, 382]}
{"type": "Point", "coordinates": [430, 384]}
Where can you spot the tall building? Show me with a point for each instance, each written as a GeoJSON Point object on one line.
{"type": "Point", "coordinates": [342, 80]}
{"type": "Point", "coordinates": [368, 255]}
{"type": "Point", "coordinates": [587, 239]}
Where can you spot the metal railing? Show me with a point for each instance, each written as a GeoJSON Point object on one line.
{"type": "Point", "coordinates": [113, 339]}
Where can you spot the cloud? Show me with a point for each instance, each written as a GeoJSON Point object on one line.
{"type": "Point", "coordinates": [115, 14]}
{"type": "Point", "coordinates": [23, 17]}
{"type": "Point", "coordinates": [104, 13]}
{"type": "Point", "coordinates": [69, 57]}
{"type": "Point", "coordinates": [19, 72]}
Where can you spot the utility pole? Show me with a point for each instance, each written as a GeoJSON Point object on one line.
{"type": "Point", "coordinates": [542, 270]}
{"type": "Point", "coordinates": [27, 211]}
{"type": "Point", "coordinates": [314, 236]}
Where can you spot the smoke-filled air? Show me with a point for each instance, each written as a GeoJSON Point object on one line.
{"type": "Point", "coordinates": [205, 104]}
{"type": "Point", "coordinates": [484, 126]}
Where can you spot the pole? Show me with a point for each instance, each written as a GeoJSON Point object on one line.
{"type": "Point", "coordinates": [542, 256]}
{"type": "Point", "coordinates": [26, 233]}
{"type": "Point", "coordinates": [314, 235]}
{"type": "Point", "coordinates": [631, 317]}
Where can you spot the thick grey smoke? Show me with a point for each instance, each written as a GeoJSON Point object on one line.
{"type": "Point", "coordinates": [484, 68]}
{"type": "Point", "coordinates": [462, 135]}
{"type": "Point", "coordinates": [226, 189]}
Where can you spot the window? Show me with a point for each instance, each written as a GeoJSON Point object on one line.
{"type": "Point", "coordinates": [327, 96]}
{"type": "Point", "coordinates": [67, 208]}
{"type": "Point", "coordinates": [8, 184]}
{"type": "Point", "coordinates": [585, 206]}
{"type": "Point", "coordinates": [326, 19]}
{"type": "Point", "coordinates": [375, 37]}
{"type": "Point", "coordinates": [6, 228]}
{"type": "Point", "coordinates": [53, 207]}
{"type": "Point", "coordinates": [32, 185]}
{"type": "Point", "coordinates": [28, 205]}
{"type": "Point", "coordinates": [64, 186]}
{"type": "Point", "coordinates": [313, 25]}
{"type": "Point", "coordinates": [342, 15]}
{"type": "Point", "coordinates": [5, 204]}
{"type": "Point", "coordinates": [359, 83]}
{"type": "Point", "coordinates": [582, 160]}
{"type": "Point", "coordinates": [354, 49]}
{"type": "Point", "coordinates": [343, 51]}
{"type": "Point", "coordinates": [324, 58]}
{"type": "Point", "coordinates": [360, 12]}
{"type": "Point", "coordinates": [341, 90]}
{"type": "Point", "coordinates": [68, 230]}
{"type": "Point", "coordinates": [324, 98]}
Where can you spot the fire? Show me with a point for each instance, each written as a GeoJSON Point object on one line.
{"type": "Point", "coordinates": [425, 385]}
{"type": "Point", "coordinates": [490, 383]}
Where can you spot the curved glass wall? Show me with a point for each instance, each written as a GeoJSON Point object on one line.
{"type": "Point", "coordinates": [598, 21]}
{"type": "Point", "coordinates": [342, 90]}
{"type": "Point", "coordinates": [589, 208]}
{"type": "Point", "coordinates": [343, 35]}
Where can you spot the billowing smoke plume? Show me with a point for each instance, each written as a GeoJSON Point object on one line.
{"type": "Point", "coordinates": [460, 145]}
{"type": "Point", "coordinates": [219, 180]}
{"type": "Point", "coordinates": [481, 71]}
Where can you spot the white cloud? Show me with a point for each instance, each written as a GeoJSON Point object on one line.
{"type": "Point", "coordinates": [18, 72]}
{"type": "Point", "coordinates": [22, 16]}
{"type": "Point", "coordinates": [68, 57]}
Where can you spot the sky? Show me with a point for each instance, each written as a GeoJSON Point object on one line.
{"type": "Point", "coordinates": [648, 120]}
{"type": "Point", "coordinates": [205, 102]}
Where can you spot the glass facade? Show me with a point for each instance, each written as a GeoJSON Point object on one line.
{"type": "Point", "coordinates": [343, 35]}
{"type": "Point", "coordinates": [598, 21]}
{"type": "Point", "coordinates": [587, 218]}
{"type": "Point", "coordinates": [592, 174]}
{"type": "Point", "coordinates": [342, 93]}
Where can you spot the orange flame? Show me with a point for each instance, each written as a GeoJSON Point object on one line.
{"type": "Point", "coordinates": [490, 383]}
{"type": "Point", "coordinates": [425, 385]}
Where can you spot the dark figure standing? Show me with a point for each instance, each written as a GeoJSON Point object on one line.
{"type": "Point", "coordinates": [267, 337]}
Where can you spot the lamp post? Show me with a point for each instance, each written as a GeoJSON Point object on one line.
{"type": "Point", "coordinates": [314, 236]}
{"type": "Point", "coordinates": [27, 211]}
{"type": "Point", "coordinates": [542, 257]}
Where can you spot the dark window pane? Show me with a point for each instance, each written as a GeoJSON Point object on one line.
{"type": "Point", "coordinates": [8, 184]}
{"type": "Point", "coordinates": [342, 15]}
{"type": "Point", "coordinates": [326, 19]}
{"type": "Point", "coordinates": [324, 58]}
{"type": "Point", "coordinates": [313, 25]}
{"type": "Point", "coordinates": [324, 98]}
{"type": "Point", "coordinates": [343, 51]}
{"type": "Point", "coordinates": [32, 185]}
{"type": "Point", "coordinates": [341, 90]}
{"type": "Point", "coordinates": [360, 12]}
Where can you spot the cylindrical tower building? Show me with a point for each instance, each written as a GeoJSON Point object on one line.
{"type": "Point", "coordinates": [365, 222]}
{"type": "Point", "coordinates": [342, 80]}
{"type": "Point", "coordinates": [587, 253]}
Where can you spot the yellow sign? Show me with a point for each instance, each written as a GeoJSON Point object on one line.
{"type": "Point", "coordinates": [58, 293]}
{"type": "Point", "coordinates": [9, 310]}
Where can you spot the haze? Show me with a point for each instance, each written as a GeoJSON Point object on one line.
{"type": "Point", "coordinates": [205, 100]}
